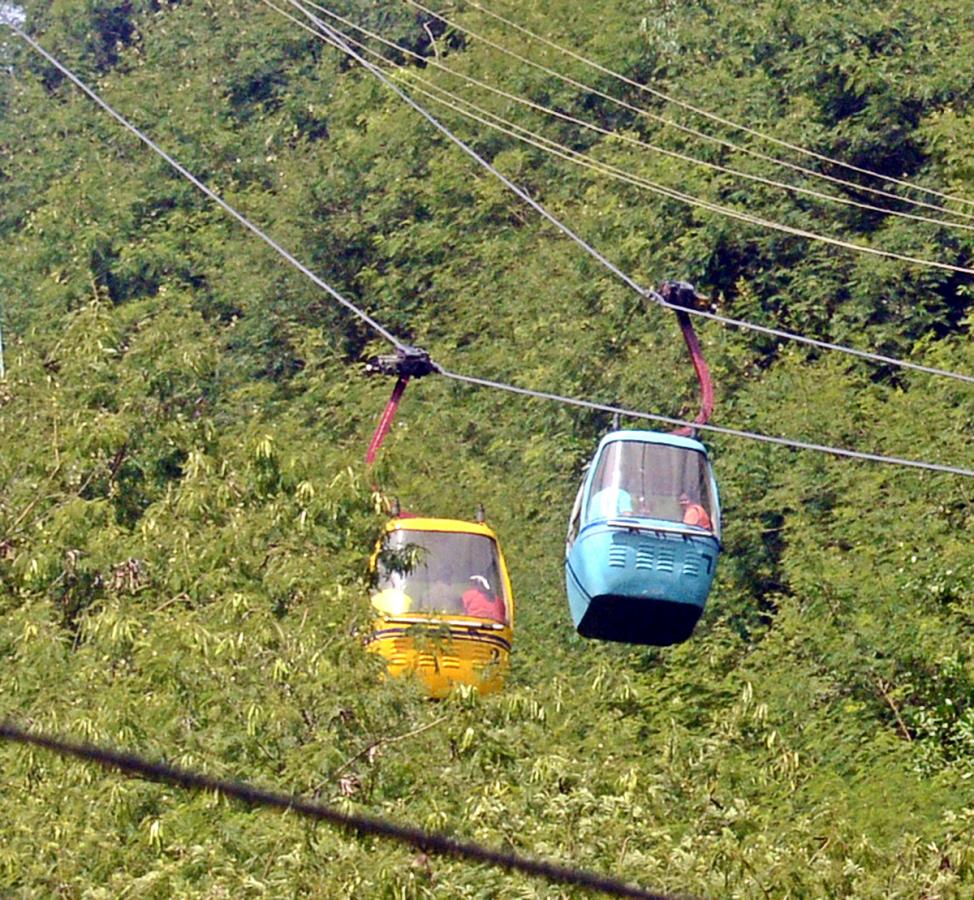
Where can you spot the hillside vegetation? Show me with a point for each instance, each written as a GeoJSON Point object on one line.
{"type": "Point", "coordinates": [186, 519]}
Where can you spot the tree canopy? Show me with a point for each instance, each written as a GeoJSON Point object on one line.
{"type": "Point", "coordinates": [186, 520]}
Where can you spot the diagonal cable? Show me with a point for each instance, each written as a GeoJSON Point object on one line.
{"type": "Point", "coordinates": [425, 841]}
{"type": "Point", "coordinates": [724, 320]}
{"type": "Point", "coordinates": [669, 98]}
{"type": "Point", "coordinates": [216, 198]}
{"type": "Point", "coordinates": [337, 39]}
{"type": "Point", "coordinates": [483, 382]}
{"type": "Point", "coordinates": [435, 63]}
{"type": "Point", "coordinates": [505, 126]}
{"type": "Point", "coordinates": [716, 429]}
{"type": "Point", "coordinates": [699, 135]}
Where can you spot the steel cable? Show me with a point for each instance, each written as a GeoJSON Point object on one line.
{"type": "Point", "coordinates": [483, 382]}
{"type": "Point", "coordinates": [700, 135]}
{"type": "Point", "coordinates": [424, 841]}
{"type": "Point", "coordinates": [216, 198]}
{"type": "Point", "coordinates": [714, 117]}
{"type": "Point", "coordinates": [620, 136]}
{"type": "Point", "coordinates": [716, 429]}
{"type": "Point", "coordinates": [724, 320]}
{"type": "Point", "coordinates": [505, 126]}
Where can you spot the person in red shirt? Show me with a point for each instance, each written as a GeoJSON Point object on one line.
{"type": "Point", "coordinates": [480, 601]}
{"type": "Point", "coordinates": [694, 513]}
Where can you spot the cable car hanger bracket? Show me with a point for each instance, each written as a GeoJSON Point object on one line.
{"type": "Point", "coordinates": [681, 296]}
{"type": "Point", "coordinates": [407, 362]}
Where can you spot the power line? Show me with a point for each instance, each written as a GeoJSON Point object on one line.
{"type": "Point", "coordinates": [716, 429]}
{"type": "Point", "coordinates": [724, 320]}
{"type": "Point", "coordinates": [527, 136]}
{"type": "Point", "coordinates": [786, 442]}
{"type": "Point", "coordinates": [620, 136]}
{"type": "Point", "coordinates": [669, 98]}
{"type": "Point", "coordinates": [372, 826]}
{"type": "Point", "coordinates": [700, 135]}
{"type": "Point", "coordinates": [504, 126]}
{"type": "Point", "coordinates": [216, 198]}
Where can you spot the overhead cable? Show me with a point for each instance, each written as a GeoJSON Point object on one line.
{"type": "Point", "coordinates": [716, 429]}
{"type": "Point", "coordinates": [476, 113]}
{"type": "Point", "coordinates": [337, 39]}
{"type": "Point", "coordinates": [724, 320]}
{"type": "Point", "coordinates": [216, 198]}
{"type": "Point", "coordinates": [581, 159]}
{"type": "Point", "coordinates": [435, 63]}
{"type": "Point", "coordinates": [505, 126]}
{"type": "Point", "coordinates": [483, 382]}
{"type": "Point", "coordinates": [371, 826]}
{"type": "Point", "coordinates": [696, 133]}
{"type": "Point", "coordinates": [714, 117]}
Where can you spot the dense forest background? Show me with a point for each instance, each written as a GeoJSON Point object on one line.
{"type": "Point", "coordinates": [185, 516]}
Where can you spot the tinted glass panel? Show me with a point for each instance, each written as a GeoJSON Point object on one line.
{"type": "Point", "coordinates": [655, 481]}
{"type": "Point", "coordinates": [440, 572]}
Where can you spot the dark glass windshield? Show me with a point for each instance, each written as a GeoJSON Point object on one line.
{"type": "Point", "coordinates": [440, 572]}
{"type": "Point", "coordinates": [656, 481]}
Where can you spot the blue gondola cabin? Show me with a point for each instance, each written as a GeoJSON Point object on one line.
{"type": "Point", "coordinates": [643, 539]}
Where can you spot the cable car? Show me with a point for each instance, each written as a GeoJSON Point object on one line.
{"type": "Point", "coordinates": [643, 539]}
{"type": "Point", "coordinates": [443, 605]}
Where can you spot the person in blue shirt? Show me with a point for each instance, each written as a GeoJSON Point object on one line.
{"type": "Point", "coordinates": [609, 502]}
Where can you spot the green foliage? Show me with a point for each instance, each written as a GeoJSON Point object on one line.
{"type": "Point", "coordinates": [185, 521]}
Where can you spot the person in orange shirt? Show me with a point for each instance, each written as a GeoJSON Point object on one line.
{"type": "Point", "coordinates": [694, 513]}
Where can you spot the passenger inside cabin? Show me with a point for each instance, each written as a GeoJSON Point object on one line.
{"type": "Point", "coordinates": [610, 501]}
{"type": "Point", "coordinates": [480, 601]}
{"type": "Point", "coordinates": [694, 513]}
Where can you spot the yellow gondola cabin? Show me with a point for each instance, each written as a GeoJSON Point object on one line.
{"type": "Point", "coordinates": [443, 605]}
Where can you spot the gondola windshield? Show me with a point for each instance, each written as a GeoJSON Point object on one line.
{"type": "Point", "coordinates": [636, 478]}
{"type": "Point", "coordinates": [440, 572]}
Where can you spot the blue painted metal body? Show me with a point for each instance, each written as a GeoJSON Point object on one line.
{"type": "Point", "coordinates": [635, 571]}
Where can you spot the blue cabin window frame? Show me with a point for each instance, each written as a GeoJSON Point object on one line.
{"type": "Point", "coordinates": [676, 477]}
{"type": "Point", "coordinates": [575, 519]}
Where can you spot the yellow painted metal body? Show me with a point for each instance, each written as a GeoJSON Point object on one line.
{"type": "Point", "coordinates": [443, 604]}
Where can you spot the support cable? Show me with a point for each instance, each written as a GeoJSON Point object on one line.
{"type": "Point", "coordinates": [372, 826]}
{"type": "Point", "coordinates": [574, 120]}
{"type": "Point", "coordinates": [337, 39]}
{"type": "Point", "coordinates": [569, 401]}
{"type": "Point", "coordinates": [700, 135]}
{"type": "Point", "coordinates": [724, 320]}
{"type": "Point", "coordinates": [216, 198]}
{"type": "Point", "coordinates": [669, 98]}
{"type": "Point", "coordinates": [504, 126]}
{"type": "Point", "coordinates": [716, 429]}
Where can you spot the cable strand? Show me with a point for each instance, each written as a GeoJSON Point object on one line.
{"type": "Point", "coordinates": [725, 320]}
{"type": "Point", "coordinates": [425, 841]}
{"type": "Point", "coordinates": [790, 443]}
{"type": "Point", "coordinates": [624, 138]}
{"type": "Point", "coordinates": [669, 98]}
{"type": "Point", "coordinates": [802, 445]}
{"type": "Point", "coordinates": [696, 133]}
{"type": "Point", "coordinates": [504, 126]}
{"type": "Point", "coordinates": [336, 38]}
{"type": "Point", "coordinates": [216, 198]}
